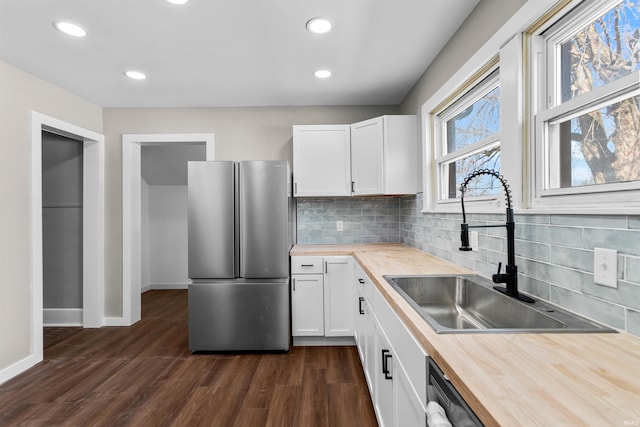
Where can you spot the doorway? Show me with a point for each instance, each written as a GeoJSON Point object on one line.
{"type": "Point", "coordinates": [92, 223]}
{"type": "Point", "coordinates": [61, 230]}
{"type": "Point", "coordinates": [132, 208]}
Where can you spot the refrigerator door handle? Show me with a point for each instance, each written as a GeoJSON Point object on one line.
{"type": "Point", "coordinates": [294, 284]}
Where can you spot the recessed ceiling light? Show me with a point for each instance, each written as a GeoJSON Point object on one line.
{"type": "Point", "coordinates": [318, 25]}
{"type": "Point", "coordinates": [178, 1]}
{"type": "Point", "coordinates": [135, 75]}
{"type": "Point", "coordinates": [70, 29]}
{"type": "Point", "coordinates": [322, 74]}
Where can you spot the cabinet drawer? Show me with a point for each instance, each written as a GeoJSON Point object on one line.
{"type": "Point", "coordinates": [306, 265]}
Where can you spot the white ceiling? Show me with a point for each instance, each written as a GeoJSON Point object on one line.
{"type": "Point", "coordinates": [230, 52]}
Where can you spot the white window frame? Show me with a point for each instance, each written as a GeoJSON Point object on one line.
{"type": "Point", "coordinates": [507, 42]}
{"type": "Point", "coordinates": [477, 89]}
{"type": "Point", "coordinates": [506, 57]}
{"type": "Point", "coordinates": [548, 110]}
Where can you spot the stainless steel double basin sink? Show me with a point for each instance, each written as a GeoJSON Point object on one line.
{"type": "Point", "coordinates": [469, 304]}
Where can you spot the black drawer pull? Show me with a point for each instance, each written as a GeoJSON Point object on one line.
{"type": "Point", "coordinates": [361, 281]}
{"type": "Point", "coordinates": [306, 265]}
{"type": "Point", "coordinates": [360, 301]}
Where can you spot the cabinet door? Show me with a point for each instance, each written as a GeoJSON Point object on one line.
{"type": "Point", "coordinates": [358, 316]}
{"type": "Point", "coordinates": [358, 324]}
{"type": "Point", "coordinates": [338, 296]}
{"type": "Point", "coordinates": [369, 345]}
{"type": "Point", "coordinates": [367, 152]}
{"type": "Point", "coordinates": [400, 155]}
{"type": "Point", "coordinates": [322, 160]}
{"type": "Point", "coordinates": [307, 306]}
{"type": "Point", "coordinates": [408, 409]}
{"type": "Point", "coordinates": [383, 398]}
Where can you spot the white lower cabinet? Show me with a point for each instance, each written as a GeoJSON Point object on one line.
{"type": "Point", "coordinates": [322, 298]}
{"type": "Point", "coordinates": [307, 308]}
{"type": "Point", "coordinates": [338, 296]}
{"type": "Point", "coordinates": [363, 323]}
{"type": "Point", "coordinates": [383, 383]}
{"type": "Point", "coordinates": [307, 296]}
{"type": "Point", "coordinates": [408, 409]}
{"type": "Point", "coordinates": [394, 363]}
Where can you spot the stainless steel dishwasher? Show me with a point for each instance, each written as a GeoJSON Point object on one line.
{"type": "Point", "coordinates": [440, 390]}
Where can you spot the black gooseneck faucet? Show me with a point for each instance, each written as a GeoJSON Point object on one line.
{"type": "Point", "coordinates": [510, 277]}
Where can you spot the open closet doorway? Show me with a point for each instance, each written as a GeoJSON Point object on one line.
{"type": "Point", "coordinates": [91, 145]}
{"type": "Point", "coordinates": [62, 230]}
{"type": "Point", "coordinates": [153, 181]}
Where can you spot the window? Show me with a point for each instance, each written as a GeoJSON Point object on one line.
{"type": "Point", "coordinates": [467, 137]}
{"type": "Point", "coordinates": [587, 128]}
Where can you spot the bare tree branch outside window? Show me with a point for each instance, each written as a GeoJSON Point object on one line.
{"type": "Point", "coordinates": [602, 145]}
{"type": "Point", "coordinates": [479, 121]}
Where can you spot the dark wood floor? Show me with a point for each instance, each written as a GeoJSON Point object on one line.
{"type": "Point", "coordinates": [144, 375]}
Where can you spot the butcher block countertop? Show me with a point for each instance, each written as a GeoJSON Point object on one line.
{"type": "Point", "coordinates": [517, 379]}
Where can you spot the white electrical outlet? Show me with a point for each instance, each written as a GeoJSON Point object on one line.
{"type": "Point", "coordinates": [473, 241]}
{"type": "Point", "coordinates": [339, 226]}
{"type": "Point", "coordinates": [605, 267]}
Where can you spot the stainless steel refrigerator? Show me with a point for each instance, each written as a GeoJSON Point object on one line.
{"type": "Point", "coordinates": [241, 228]}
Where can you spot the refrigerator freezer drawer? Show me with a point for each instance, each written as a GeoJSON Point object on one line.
{"type": "Point", "coordinates": [239, 315]}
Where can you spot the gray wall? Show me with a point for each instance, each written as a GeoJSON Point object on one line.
{"type": "Point", "coordinates": [21, 93]}
{"type": "Point", "coordinates": [61, 221]}
{"type": "Point", "coordinates": [485, 19]}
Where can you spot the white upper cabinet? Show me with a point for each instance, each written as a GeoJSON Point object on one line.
{"type": "Point", "coordinates": [384, 156]}
{"type": "Point", "coordinates": [321, 160]}
{"type": "Point", "coordinates": [374, 157]}
{"type": "Point", "coordinates": [367, 150]}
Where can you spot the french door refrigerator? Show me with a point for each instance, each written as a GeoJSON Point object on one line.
{"type": "Point", "coordinates": [241, 227]}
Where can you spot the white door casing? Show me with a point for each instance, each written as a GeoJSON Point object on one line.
{"type": "Point", "coordinates": [131, 214]}
{"type": "Point", "coordinates": [93, 224]}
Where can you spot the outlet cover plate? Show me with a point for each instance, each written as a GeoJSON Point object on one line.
{"type": "Point", "coordinates": [605, 267]}
{"type": "Point", "coordinates": [339, 226]}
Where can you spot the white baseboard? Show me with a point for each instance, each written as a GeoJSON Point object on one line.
{"type": "Point", "coordinates": [323, 341]}
{"type": "Point", "coordinates": [17, 368]}
{"type": "Point", "coordinates": [115, 321]}
{"type": "Point", "coordinates": [163, 286]}
{"type": "Point", "coordinates": [62, 316]}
